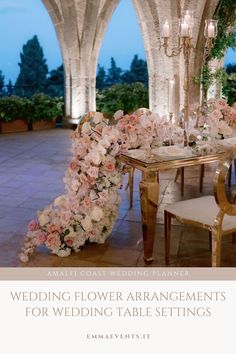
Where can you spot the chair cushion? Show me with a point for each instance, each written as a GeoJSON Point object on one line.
{"type": "Point", "coordinates": [203, 210]}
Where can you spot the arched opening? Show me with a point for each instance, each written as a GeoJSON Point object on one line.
{"type": "Point", "coordinates": [122, 74]}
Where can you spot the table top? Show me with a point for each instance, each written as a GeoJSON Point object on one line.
{"type": "Point", "coordinates": [168, 157]}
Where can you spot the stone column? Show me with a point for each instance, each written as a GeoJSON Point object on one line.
{"type": "Point", "coordinates": [80, 26]}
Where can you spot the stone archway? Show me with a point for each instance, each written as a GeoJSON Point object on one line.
{"type": "Point", "coordinates": [80, 27]}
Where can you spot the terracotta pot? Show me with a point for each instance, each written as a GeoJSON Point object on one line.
{"type": "Point", "coordinates": [43, 124]}
{"type": "Point", "coordinates": [18, 125]}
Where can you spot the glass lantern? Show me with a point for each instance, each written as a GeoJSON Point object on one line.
{"type": "Point", "coordinates": [165, 30]}
{"type": "Point", "coordinates": [186, 24]}
{"type": "Point", "coordinates": [188, 16]}
{"type": "Point", "coordinates": [210, 30]}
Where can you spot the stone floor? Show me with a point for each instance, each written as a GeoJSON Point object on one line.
{"type": "Point", "coordinates": [32, 165]}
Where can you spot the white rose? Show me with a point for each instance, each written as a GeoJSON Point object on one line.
{"type": "Point", "coordinates": [87, 224]}
{"type": "Point", "coordinates": [64, 253]}
{"type": "Point", "coordinates": [59, 201]}
{"type": "Point", "coordinates": [43, 219]}
{"type": "Point", "coordinates": [94, 157]}
{"type": "Point", "coordinates": [23, 257]}
{"type": "Point", "coordinates": [119, 114]}
{"type": "Point", "coordinates": [96, 214]}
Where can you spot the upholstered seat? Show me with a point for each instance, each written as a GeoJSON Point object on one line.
{"type": "Point", "coordinates": [214, 213]}
{"type": "Point", "coordinates": [203, 210]}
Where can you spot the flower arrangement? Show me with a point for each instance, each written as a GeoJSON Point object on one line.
{"type": "Point", "coordinates": [218, 114]}
{"type": "Point", "coordinates": [88, 208]}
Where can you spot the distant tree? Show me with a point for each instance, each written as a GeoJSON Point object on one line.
{"type": "Point", "coordinates": [127, 97]}
{"type": "Point", "coordinates": [55, 82]}
{"type": "Point", "coordinates": [231, 68]}
{"type": "Point", "coordinates": [33, 69]}
{"type": "Point", "coordinates": [101, 78]}
{"type": "Point", "coordinates": [138, 72]}
{"type": "Point", "coordinates": [2, 78]}
{"type": "Point", "coordinates": [114, 74]}
{"type": "Point", "coordinates": [10, 88]}
{"type": "Point", "coordinates": [229, 88]}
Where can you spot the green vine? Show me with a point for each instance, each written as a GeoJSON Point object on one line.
{"type": "Point", "coordinates": [226, 37]}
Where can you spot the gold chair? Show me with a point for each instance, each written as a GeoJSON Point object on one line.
{"type": "Point", "coordinates": [214, 213]}
{"type": "Point", "coordinates": [180, 172]}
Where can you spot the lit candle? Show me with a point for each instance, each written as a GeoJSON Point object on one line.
{"type": "Point", "coordinates": [184, 30]}
{"type": "Point", "coordinates": [187, 18]}
{"type": "Point", "coordinates": [171, 96]}
{"type": "Point", "coordinates": [166, 30]}
{"type": "Point", "coordinates": [211, 31]}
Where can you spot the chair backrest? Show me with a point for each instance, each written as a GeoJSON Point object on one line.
{"type": "Point", "coordinates": [219, 183]}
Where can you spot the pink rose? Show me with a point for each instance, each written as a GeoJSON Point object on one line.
{"type": "Point", "coordinates": [87, 202]}
{"type": "Point", "coordinates": [92, 235]}
{"type": "Point", "coordinates": [69, 242]}
{"type": "Point", "coordinates": [41, 238]}
{"type": "Point", "coordinates": [93, 172]}
{"type": "Point", "coordinates": [73, 165]}
{"type": "Point", "coordinates": [83, 190]}
{"type": "Point", "coordinates": [220, 104]}
{"type": "Point", "coordinates": [109, 166]}
{"type": "Point", "coordinates": [85, 140]}
{"type": "Point", "coordinates": [53, 240]}
{"type": "Point", "coordinates": [33, 225]}
{"type": "Point", "coordinates": [53, 228]}
{"type": "Point", "coordinates": [130, 128]}
{"type": "Point", "coordinates": [65, 217]}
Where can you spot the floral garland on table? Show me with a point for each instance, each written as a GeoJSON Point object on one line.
{"type": "Point", "coordinates": [89, 207]}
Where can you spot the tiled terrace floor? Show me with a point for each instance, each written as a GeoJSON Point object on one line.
{"type": "Point", "coordinates": [32, 165]}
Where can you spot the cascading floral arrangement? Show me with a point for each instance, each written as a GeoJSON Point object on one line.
{"type": "Point", "coordinates": [88, 208]}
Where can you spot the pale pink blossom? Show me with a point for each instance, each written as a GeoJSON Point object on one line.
{"type": "Point", "coordinates": [33, 225]}
{"type": "Point", "coordinates": [65, 217]}
{"type": "Point", "coordinates": [53, 240]}
{"type": "Point", "coordinates": [53, 228]}
{"type": "Point", "coordinates": [93, 172]}
{"type": "Point", "coordinates": [87, 202]}
{"type": "Point", "coordinates": [109, 166]}
{"type": "Point", "coordinates": [41, 237]}
{"type": "Point", "coordinates": [118, 115]}
{"type": "Point", "coordinates": [73, 165]}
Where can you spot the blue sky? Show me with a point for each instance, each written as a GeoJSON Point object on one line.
{"type": "Point", "coordinates": [21, 19]}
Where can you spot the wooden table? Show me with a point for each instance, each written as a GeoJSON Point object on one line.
{"type": "Point", "coordinates": [149, 188]}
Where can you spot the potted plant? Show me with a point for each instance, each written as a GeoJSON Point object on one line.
{"type": "Point", "coordinates": [45, 110]}
{"type": "Point", "coordinates": [13, 114]}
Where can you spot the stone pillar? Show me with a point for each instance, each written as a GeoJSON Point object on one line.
{"type": "Point", "coordinates": [215, 90]}
{"type": "Point", "coordinates": [80, 26]}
